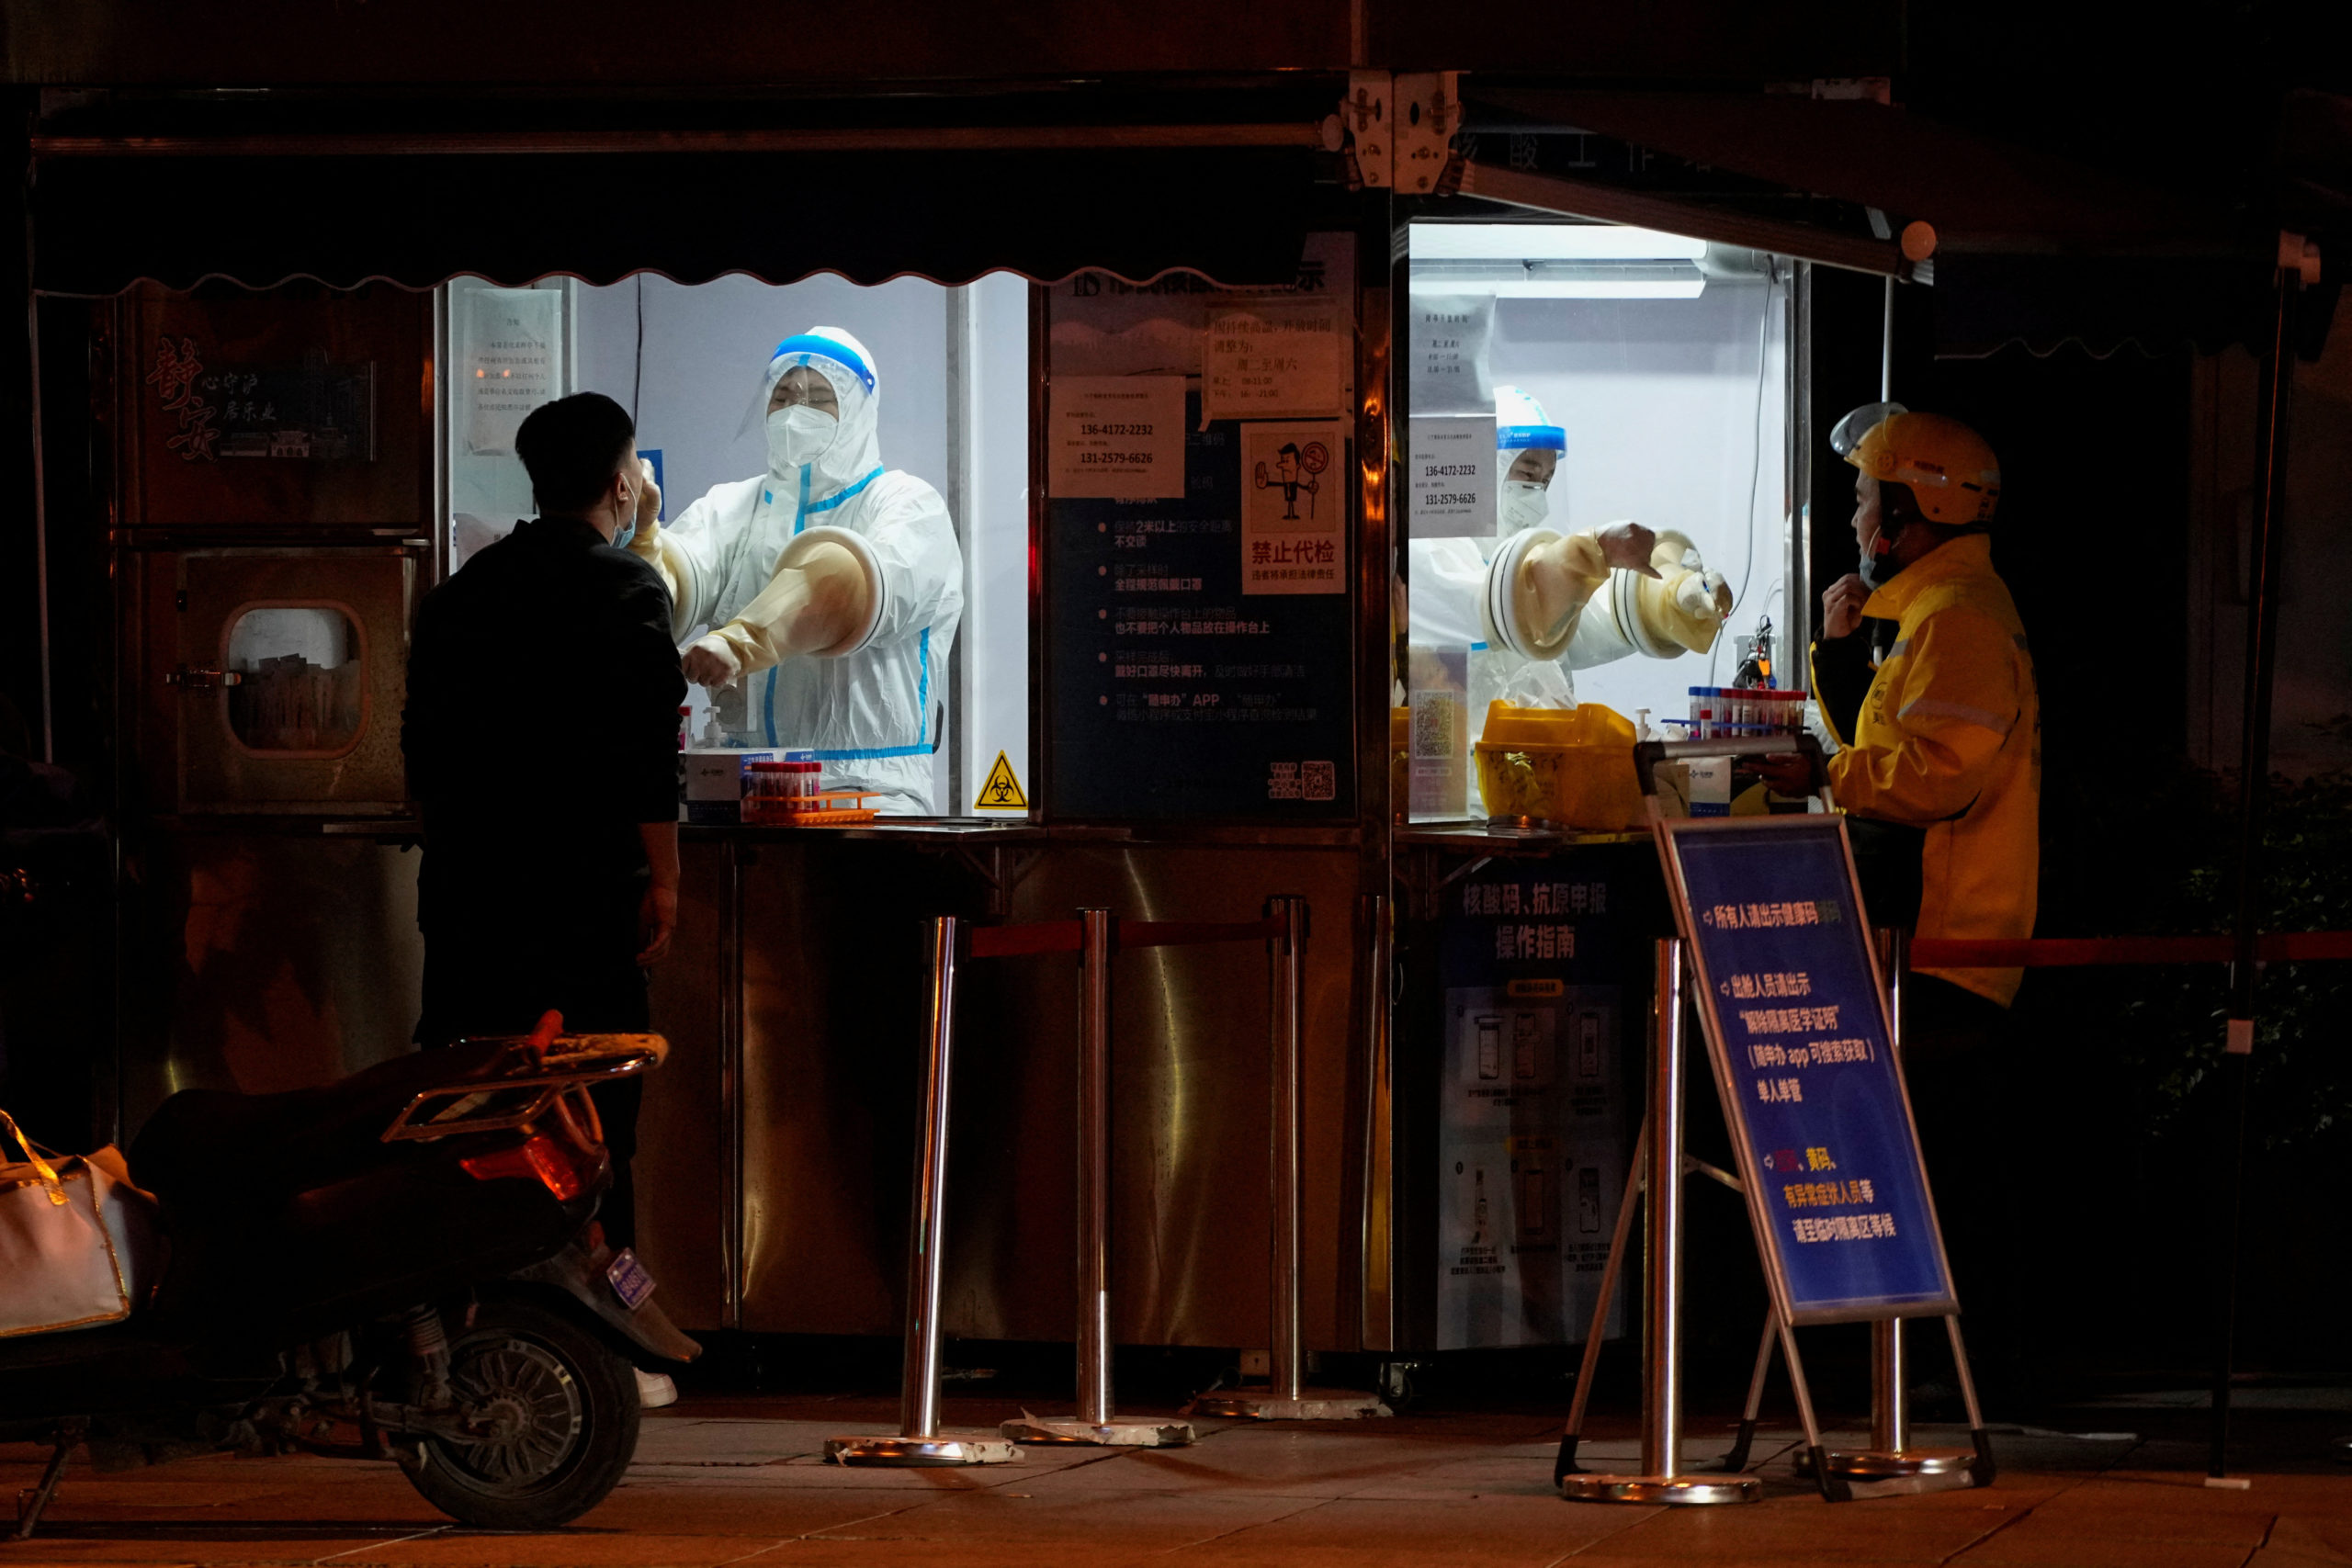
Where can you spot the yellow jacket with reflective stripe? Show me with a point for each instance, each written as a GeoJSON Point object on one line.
{"type": "Point", "coordinates": [1950, 739]}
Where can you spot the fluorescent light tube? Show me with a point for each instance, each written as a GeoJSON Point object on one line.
{"type": "Point", "coordinates": [1604, 288]}
{"type": "Point", "coordinates": [1647, 279]}
{"type": "Point", "coordinates": [1547, 242]}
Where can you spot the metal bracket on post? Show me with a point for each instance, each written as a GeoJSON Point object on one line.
{"type": "Point", "coordinates": [1427, 114]}
{"type": "Point", "coordinates": [919, 1440]}
{"type": "Point", "coordinates": [1286, 1398]}
{"type": "Point", "coordinates": [1364, 126]}
{"type": "Point", "coordinates": [1095, 1424]}
{"type": "Point", "coordinates": [1662, 1479]}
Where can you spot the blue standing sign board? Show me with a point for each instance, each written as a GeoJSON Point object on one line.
{"type": "Point", "coordinates": [1796, 1023]}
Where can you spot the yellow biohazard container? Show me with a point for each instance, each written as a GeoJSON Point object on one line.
{"type": "Point", "coordinates": [1569, 766]}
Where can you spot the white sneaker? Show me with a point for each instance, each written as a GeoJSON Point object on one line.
{"type": "Point", "coordinates": [655, 1390]}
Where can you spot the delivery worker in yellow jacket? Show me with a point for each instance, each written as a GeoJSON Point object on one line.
{"type": "Point", "coordinates": [1926, 685]}
{"type": "Point", "coordinates": [1946, 737]}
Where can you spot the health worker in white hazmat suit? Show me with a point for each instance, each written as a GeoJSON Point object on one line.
{"type": "Point", "coordinates": [831, 584]}
{"type": "Point", "coordinates": [1532, 603]}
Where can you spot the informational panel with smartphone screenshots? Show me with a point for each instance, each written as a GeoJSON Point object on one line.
{"type": "Point", "coordinates": [1796, 1023]}
{"type": "Point", "coordinates": [1533, 1118]}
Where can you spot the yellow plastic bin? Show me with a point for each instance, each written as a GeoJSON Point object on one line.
{"type": "Point", "coordinates": [1569, 766]}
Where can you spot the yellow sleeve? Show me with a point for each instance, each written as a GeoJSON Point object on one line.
{"type": "Point", "coordinates": [1928, 760]}
{"type": "Point", "coordinates": [657, 549]}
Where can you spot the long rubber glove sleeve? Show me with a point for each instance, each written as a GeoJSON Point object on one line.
{"type": "Point", "coordinates": [809, 607]}
{"type": "Point", "coordinates": [1556, 578]}
{"type": "Point", "coordinates": [1679, 605]}
{"type": "Point", "coordinates": [668, 558]}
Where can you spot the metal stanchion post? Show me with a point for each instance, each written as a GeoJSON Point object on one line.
{"type": "Point", "coordinates": [1094, 1424]}
{"type": "Point", "coordinates": [1285, 1374]}
{"type": "Point", "coordinates": [1890, 1465]}
{"type": "Point", "coordinates": [919, 1440]}
{"type": "Point", "coordinates": [1661, 1479]}
{"type": "Point", "coordinates": [1287, 1398]}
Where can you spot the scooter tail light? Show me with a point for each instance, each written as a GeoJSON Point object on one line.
{"type": "Point", "coordinates": [537, 1158]}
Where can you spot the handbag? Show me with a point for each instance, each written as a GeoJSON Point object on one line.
{"type": "Point", "coordinates": [79, 1244]}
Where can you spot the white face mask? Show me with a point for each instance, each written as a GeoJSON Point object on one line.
{"type": "Point", "coordinates": [799, 435]}
{"type": "Point", "coordinates": [1524, 505]}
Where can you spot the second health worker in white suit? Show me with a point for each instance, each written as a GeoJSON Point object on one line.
{"type": "Point", "coordinates": [831, 584]}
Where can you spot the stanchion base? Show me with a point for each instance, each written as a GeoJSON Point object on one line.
{"type": "Point", "coordinates": [1120, 1432]}
{"type": "Point", "coordinates": [1874, 1474]}
{"type": "Point", "coordinates": [1312, 1405]}
{"type": "Point", "coordinates": [946, 1447]}
{"type": "Point", "coordinates": [1675, 1491]}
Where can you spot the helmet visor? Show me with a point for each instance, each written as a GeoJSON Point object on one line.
{"type": "Point", "coordinates": [1850, 431]}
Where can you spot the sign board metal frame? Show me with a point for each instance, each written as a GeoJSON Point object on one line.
{"type": "Point", "coordinates": [1889, 1466]}
{"type": "Point", "coordinates": [1671, 833]}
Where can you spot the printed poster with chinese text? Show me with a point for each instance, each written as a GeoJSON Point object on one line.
{"type": "Point", "coordinates": [1178, 689]}
{"type": "Point", "coordinates": [1294, 508]}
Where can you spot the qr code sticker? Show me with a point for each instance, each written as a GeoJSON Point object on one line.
{"type": "Point", "coordinates": [1321, 781]}
{"type": "Point", "coordinates": [1281, 781]}
{"type": "Point", "coordinates": [1432, 723]}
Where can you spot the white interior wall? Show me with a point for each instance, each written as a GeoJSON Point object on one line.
{"type": "Point", "coordinates": [1669, 423]}
{"type": "Point", "coordinates": [706, 346]}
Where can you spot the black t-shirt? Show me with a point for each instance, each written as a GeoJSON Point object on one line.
{"type": "Point", "coordinates": [542, 728]}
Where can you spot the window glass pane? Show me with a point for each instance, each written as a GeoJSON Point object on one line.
{"type": "Point", "coordinates": [300, 679]}
{"type": "Point", "coordinates": [922, 451]}
{"type": "Point", "coordinates": [1569, 377]}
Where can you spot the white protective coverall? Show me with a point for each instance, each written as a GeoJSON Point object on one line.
{"type": "Point", "coordinates": [1464, 593]}
{"type": "Point", "coordinates": [871, 707]}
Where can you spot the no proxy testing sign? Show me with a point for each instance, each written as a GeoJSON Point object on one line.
{"type": "Point", "coordinates": [1796, 1024]}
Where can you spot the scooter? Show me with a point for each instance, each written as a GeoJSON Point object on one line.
{"type": "Point", "coordinates": [404, 1266]}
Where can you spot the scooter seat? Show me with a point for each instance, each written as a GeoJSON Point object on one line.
{"type": "Point", "coordinates": [208, 1142]}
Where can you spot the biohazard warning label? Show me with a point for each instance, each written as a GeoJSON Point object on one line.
{"type": "Point", "coordinates": [1001, 791]}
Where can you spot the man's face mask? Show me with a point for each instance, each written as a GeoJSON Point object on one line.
{"type": "Point", "coordinates": [799, 435]}
{"type": "Point", "coordinates": [1524, 505]}
{"type": "Point", "coordinates": [1878, 570]}
{"type": "Point", "coordinates": [1878, 566]}
{"type": "Point", "coordinates": [627, 530]}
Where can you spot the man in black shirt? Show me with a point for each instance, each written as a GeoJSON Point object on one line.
{"type": "Point", "coordinates": [551, 873]}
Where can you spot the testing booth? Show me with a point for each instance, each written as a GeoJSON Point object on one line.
{"type": "Point", "coordinates": [1227, 411]}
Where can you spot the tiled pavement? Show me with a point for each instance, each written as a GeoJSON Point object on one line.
{"type": "Point", "coordinates": [742, 1482]}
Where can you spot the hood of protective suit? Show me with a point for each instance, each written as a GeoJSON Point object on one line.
{"type": "Point", "coordinates": [1520, 426]}
{"type": "Point", "coordinates": [856, 450]}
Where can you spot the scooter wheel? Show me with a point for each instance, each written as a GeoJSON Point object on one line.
{"type": "Point", "coordinates": [561, 1420]}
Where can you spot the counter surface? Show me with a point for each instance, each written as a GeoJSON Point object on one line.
{"type": "Point", "coordinates": [1478, 838]}
{"type": "Point", "coordinates": [966, 831]}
